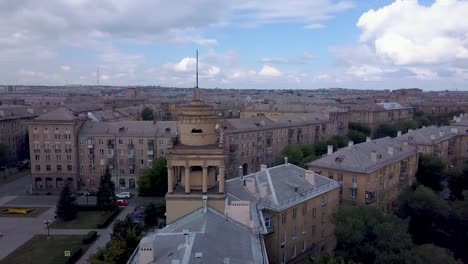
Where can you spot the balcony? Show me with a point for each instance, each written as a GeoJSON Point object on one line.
{"type": "Point", "coordinates": [354, 185]}
{"type": "Point", "coordinates": [150, 152]}
{"type": "Point", "coordinates": [130, 156]}
{"type": "Point", "coordinates": [47, 150]}
{"type": "Point", "coordinates": [90, 146]}
{"type": "Point", "coordinates": [370, 196]}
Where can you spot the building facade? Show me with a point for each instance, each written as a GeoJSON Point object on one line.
{"type": "Point", "coordinates": [372, 172]}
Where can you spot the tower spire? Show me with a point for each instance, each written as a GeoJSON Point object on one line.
{"type": "Point", "coordinates": [196, 94]}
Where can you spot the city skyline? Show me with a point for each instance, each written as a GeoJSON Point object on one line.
{"type": "Point", "coordinates": [304, 45]}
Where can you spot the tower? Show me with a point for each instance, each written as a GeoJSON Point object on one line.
{"type": "Point", "coordinates": [196, 162]}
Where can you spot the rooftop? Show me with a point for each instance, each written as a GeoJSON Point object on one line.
{"type": "Point", "coordinates": [8, 112]}
{"type": "Point", "coordinates": [59, 114]}
{"type": "Point", "coordinates": [359, 158]}
{"type": "Point", "coordinates": [130, 128]}
{"type": "Point", "coordinates": [427, 135]}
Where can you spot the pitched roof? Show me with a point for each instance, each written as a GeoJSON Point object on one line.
{"type": "Point", "coordinates": [237, 244]}
{"type": "Point", "coordinates": [59, 114]}
{"type": "Point", "coordinates": [427, 135]}
{"type": "Point", "coordinates": [130, 128]}
{"type": "Point", "coordinates": [358, 157]}
{"type": "Point", "coordinates": [279, 187]}
{"type": "Point", "coordinates": [8, 112]}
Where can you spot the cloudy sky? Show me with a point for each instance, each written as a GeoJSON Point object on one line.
{"type": "Point", "coordinates": [293, 44]}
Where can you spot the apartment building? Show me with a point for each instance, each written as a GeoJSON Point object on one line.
{"type": "Point", "coordinates": [441, 142]}
{"type": "Point", "coordinates": [372, 172]}
{"type": "Point", "coordinates": [125, 148]}
{"type": "Point", "coordinates": [13, 130]}
{"type": "Point", "coordinates": [373, 115]}
{"type": "Point", "coordinates": [53, 149]}
{"type": "Point", "coordinates": [293, 208]}
{"type": "Point", "coordinates": [250, 142]}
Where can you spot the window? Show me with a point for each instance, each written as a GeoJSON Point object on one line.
{"type": "Point", "coordinates": [48, 168]}
{"type": "Point", "coordinates": [303, 245]}
{"type": "Point", "coordinates": [161, 141]}
{"type": "Point", "coordinates": [47, 157]}
{"type": "Point", "coordinates": [293, 235]}
{"type": "Point", "coordinates": [142, 162]}
{"type": "Point", "coordinates": [140, 141]}
{"type": "Point", "coordinates": [150, 163]}
{"type": "Point", "coordinates": [283, 238]}
{"type": "Point", "coordinates": [101, 151]}
{"type": "Point", "coordinates": [131, 171]}
{"type": "Point", "coordinates": [283, 257]}
{"type": "Point", "coordinates": [100, 141]}
{"type": "Point", "coordinates": [283, 218]}
{"type": "Point", "coordinates": [323, 217]}
{"type": "Point", "coordinates": [324, 199]}
{"type": "Point", "coordinates": [304, 209]}
{"type": "Point", "coordinates": [38, 167]}
{"type": "Point", "coordinates": [38, 157]}
{"type": "Point", "coordinates": [59, 167]}
{"type": "Point", "coordinates": [330, 175]}
{"type": "Point", "coordinates": [69, 167]}
{"type": "Point", "coordinates": [120, 142]}
{"type": "Point", "coordinates": [58, 157]}
{"type": "Point", "coordinates": [353, 180]}
{"type": "Point", "coordinates": [353, 193]}
{"type": "Point", "coordinates": [294, 213]}
{"type": "Point", "coordinates": [314, 230]}
{"type": "Point", "coordinates": [293, 252]}
{"type": "Point", "coordinates": [314, 212]}
{"type": "Point", "coordinates": [268, 222]}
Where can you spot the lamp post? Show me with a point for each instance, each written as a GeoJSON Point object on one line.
{"type": "Point", "coordinates": [47, 223]}
{"type": "Point", "coordinates": [87, 194]}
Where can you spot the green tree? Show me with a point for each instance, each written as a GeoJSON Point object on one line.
{"type": "Point", "coordinates": [369, 235]}
{"type": "Point", "coordinates": [106, 193]}
{"type": "Point", "coordinates": [356, 136]}
{"type": "Point", "coordinates": [360, 128]}
{"type": "Point", "coordinates": [456, 181]}
{"type": "Point", "coordinates": [430, 171]}
{"type": "Point", "coordinates": [147, 114]}
{"type": "Point", "coordinates": [153, 212]}
{"type": "Point", "coordinates": [153, 182]}
{"type": "Point", "coordinates": [67, 208]}
{"type": "Point", "coordinates": [430, 254]}
{"type": "Point", "coordinates": [386, 130]}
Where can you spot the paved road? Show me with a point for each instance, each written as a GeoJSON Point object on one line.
{"type": "Point", "coordinates": [17, 187]}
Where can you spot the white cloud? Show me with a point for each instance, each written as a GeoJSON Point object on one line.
{"type": "Point", "coordinates": [406, 32]}
{"type": "Point", "coordinates": [366, 72]}
{"type": "Point", "coordinates": [423, 73]}
{"type": "Point", "coordinates": [65, 68]}
{"type": "Point", "coordinates": [314, 26]}
{"type": "Point", "coordinates": [269, 71]}
{"type": "Point", "coordinates": [303, 59]}
{"type": "Point", "coordinates": [184, 65]}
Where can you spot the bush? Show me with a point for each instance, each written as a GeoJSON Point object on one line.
{"type": "Point", "coordinates": [88, 208]}
{"type": "Point", "coordinates": [110, 218]}
{"type": "Point", "coordinates": [90, 237]}
{"type": "Point", "coordinates": [75, 256]}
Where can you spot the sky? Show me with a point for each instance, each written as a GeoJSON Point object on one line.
{"type": "Point", "coordinates": [275, 44]}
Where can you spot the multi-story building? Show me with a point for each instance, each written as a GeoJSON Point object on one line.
{"type": "Point", "coordinates": [125, 148]}
{"type": "Point", "coordinates": [372, 172]}
{"type": "Point", "coordinates": [53, 149]}
{"type": "Point", "coordinates": [13, 131]}
{"type": "Point", "coordinates": [250, 142]}
{"type": "Point", "coordinates": [373, 115]}
{"type": "Point", "coordinates": [292, 206]}
{"type": "Point", "coordinates": [437, 141]}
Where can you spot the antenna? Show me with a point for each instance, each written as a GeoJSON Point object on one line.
{"type": "Point", "coordinates": [197, 71]}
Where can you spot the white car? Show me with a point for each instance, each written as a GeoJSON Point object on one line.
{"type": "Point", "coordinates": [124, 195]}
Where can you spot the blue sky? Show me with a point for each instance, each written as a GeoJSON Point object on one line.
{"type": "Point", "coordinates": [296, 44]}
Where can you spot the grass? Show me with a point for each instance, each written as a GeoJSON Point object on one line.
{"type": "Point", "coordinates": [36, 211]}
{"type": "Point", "coordinates": [85, 220]}
{"type": "Point", "coordinates": [39, 249]}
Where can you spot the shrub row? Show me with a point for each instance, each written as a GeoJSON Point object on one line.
{"type": "Point", "coordinates": [90, 237]}
{"type": "Point", "coordinates": [88, 208]}
{"type": "Point", "coordinates": [75, 256]}
{"type": "Point", "coordinates": [110, 218]}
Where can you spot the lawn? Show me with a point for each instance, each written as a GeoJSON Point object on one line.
{"type": "Point", "coordinates": [85, 220]}
{"type": "Point", "coordinates": [36, 211]}
{"type": "Point", "coordinates": [39, 249]}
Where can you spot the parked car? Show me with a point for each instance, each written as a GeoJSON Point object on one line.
{"type": "Point", "coordinates": [124, 195]}
{"type": "Point", "coordinates": [121, 203]}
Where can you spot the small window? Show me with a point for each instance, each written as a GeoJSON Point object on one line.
{"type": "Point", "coordinates": [283, 218]}
{"type": "Point", "coordinates": [268, 222]}
{"type": "Point", "coordinates": [197, 131]}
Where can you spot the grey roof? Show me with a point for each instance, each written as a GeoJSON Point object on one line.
{"type": "Point", "coordinates": [130, 128]}
{"type": "Point", "coordinates": [59, 114]}
{"type": "Point", "coordinates": [279, 187]}
{"type": "Point", "coordinates": [358, 157]}
{"type": "Point", "coordinates": [392, 106]}
{"type": "Point", "coordinates": [427, 135]}
{"type": "Point", "coordinates": [8, 112]}
{"type": "Point", "coordinates": [217, 238]}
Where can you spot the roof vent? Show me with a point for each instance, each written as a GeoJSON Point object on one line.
{"type": "Point", "coordinates": [198, 255]}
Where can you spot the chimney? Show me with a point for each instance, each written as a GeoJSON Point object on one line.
{"type": "Point", "coordinates": [350, 143]}
{"type": "Point", "coordinates": [398, 133]}
{"type": "Point", "coordinates": [441, 133]}
{"type": "Point", "coordinates": [368, 139]}
{"type": "Point", "coordinates": [310, 177]}
{"type": "Point", "coordinates": [432, 136]}
{"type": "Point", "coordinates": [263, 167]}
{"type": "Point", "coordinates": [461, 115]}
{"type": "Point", "coordinates": [186, 234]}
{"type": "Point", "coordinates": [454, 130]}
{"type": "Point", "coordinates": [454, 118]}
{"type": "Point", "coordinates": [374, 156]}
{"type": "Point", "coordinates": [330, 150]}
{"type": "Point", "coordinates": [390, 150]}
{"type": "Point", "coordinates": [146, 251]}
{"type": "Point", "coordinates": [285, 160]}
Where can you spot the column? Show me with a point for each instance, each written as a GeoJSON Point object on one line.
{"type": "Point", "coordinates": [170, 179]}
{"type": "Point", "coordinates": [205, 179]}
{"type": "Point", "coordinates": [221, 179]}
{"type": "Point", "coordinates": [187, 179]}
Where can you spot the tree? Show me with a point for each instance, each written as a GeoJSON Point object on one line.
{"type": "Point", "coordinates": [431, 254]}
{"type": "Point", "coordinates": [67, 208]}
{"type": "Point", "coordinates": [147, 114]}
{"type": "Point", "coordinates": [386, 130]}
{"type": "Point", "coordinates": [369, 235]}
{"type": "Point", "coordinates": [106, 192]}
{"type": "Point", "coordinates": [356, 136]}
{"type": "Point", "coordinates": [153, 212]}
{"type": "Point", "coordinates": [456, 182]}
{"type": "Point", "coordinates": [153, 182]}
{"type": "Point", "coordinates": [360, 128]}
{"type": "Point", "coordinates": [430, 171]}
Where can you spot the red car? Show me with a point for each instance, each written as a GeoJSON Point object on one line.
{"type": "Point", "coordinates": [121, 203]}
